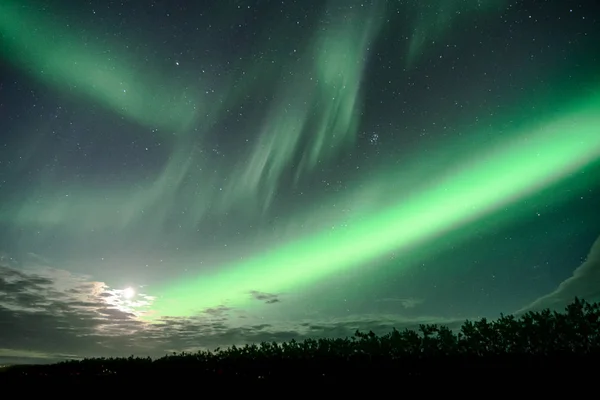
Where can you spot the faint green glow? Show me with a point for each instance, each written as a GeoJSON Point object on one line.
{"type": "Point", "coordinates": [528, 162]}
{"type": "Point", "coordinates": [84, 209]}
{"type": "Point", "coordinates": [434, 18]}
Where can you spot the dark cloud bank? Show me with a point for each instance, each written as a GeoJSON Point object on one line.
{"type": "Point", "coordinates": [49, 315]}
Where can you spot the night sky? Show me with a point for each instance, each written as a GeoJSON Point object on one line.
{"type": "Point", "coordinates": [182, 175]}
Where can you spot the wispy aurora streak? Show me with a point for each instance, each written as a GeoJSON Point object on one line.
{"type": "Point", "coordinates": [314, 115]}
{"type": "Point", "coordinates": [44, 48]}
{"type": "Point", "coordinates": [530, 160]}
{"type": "Point", "coordinates": [319, 105]}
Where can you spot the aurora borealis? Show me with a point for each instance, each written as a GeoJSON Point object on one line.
{"type": "Point", "coordinates": [214, 173]}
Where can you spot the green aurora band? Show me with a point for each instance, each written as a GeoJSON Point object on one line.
{"type": "Point", "coordinates": [532, 160]}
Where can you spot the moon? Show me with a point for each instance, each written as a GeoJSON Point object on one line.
{"type": "Point", "coordinates": [128, 293]}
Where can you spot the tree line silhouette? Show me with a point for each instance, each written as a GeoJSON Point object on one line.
{"type": "Point", "coordinates": [555, 343]}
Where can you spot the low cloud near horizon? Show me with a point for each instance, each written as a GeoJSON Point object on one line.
{"type": "Point", "coordinates": [47, 315]}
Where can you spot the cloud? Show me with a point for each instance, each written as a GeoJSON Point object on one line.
{"type": "Point", "coordinates": [220, 311]}
{"type": "Point", "coordinates": [266, 297]}
{"type": "Point", "coordinates": [584, 283]}
{"type": "Point", "coordinates": [9, 356]}
{"type": "Point", "coordinates": [409, 302]}
{"type": "Point", "coordinates": [48, 315]}
{"type": "Point", "coordinates": [54, 313]}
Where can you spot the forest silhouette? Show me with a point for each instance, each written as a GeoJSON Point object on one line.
{"type": "Point", "coordinates": [555, 344]}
